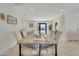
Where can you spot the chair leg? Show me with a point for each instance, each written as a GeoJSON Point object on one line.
{"type": "Point", "coordinates": [39, 49]}
{"type": "Point", "coordinates": [19, 49]}
{"type": "Point", "coordinates": [55, 49]}
{"type": "Point", "coordinates": [30, 51]}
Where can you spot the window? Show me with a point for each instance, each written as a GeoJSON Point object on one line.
{"type": "Point", "coordinates": [42, 28]}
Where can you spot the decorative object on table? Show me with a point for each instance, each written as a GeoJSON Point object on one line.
{"type": "Point", "coordinates": [11, 20]}
{"type": "Point", "coordinates": [2, 16]}
{"type": "Point", "coordinates": [31, 32]}
{"type": "Point", "coordinates": [37, 36]}
{"type": "Point", "coordinates": [31, 25]}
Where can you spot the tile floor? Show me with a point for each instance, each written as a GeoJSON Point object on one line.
{"type": "Point", "coordinates": [65, 48]}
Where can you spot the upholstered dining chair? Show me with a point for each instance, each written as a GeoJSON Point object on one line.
{"type": "Point", "coordinates": [27, 49]}
{"type": "Point", "coordinates": [31, 47]}
{"type": "Point", "coordinates": [46, 47]}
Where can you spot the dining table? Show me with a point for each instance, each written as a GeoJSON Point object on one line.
{"type": "Point", "coordinates": [31, 39]}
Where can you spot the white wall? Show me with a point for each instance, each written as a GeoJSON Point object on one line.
{"type": "Point", "coordinates": [7, 39]}
{"type": "Point", "coordinates": [72, 21]}
{"type": "Point", "coordinates": [72, 25]}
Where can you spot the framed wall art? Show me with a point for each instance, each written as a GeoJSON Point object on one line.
{"type": "Point", "coordinates": [11, 19]}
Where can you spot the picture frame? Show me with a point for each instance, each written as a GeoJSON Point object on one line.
{"type": "Point", "coordinates": [11, 19]}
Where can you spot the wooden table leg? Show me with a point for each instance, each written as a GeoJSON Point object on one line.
{"type": "Point", "coordinates": [39, 49]}
{"type": "Point", "coordinates": [55, 49]}
{"type": "Point", "coordinates": [19, 49]}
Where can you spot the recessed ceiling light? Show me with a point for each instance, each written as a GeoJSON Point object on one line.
{"type": "Point", "coordinates": [32, 10]}
{"type": "Point", "coordinates": [61, 10]}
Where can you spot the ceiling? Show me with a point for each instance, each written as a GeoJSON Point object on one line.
{"type": "Point", "coordinates": [48, 10]}
{"type": "Point", "coordinates": [43, 10]}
